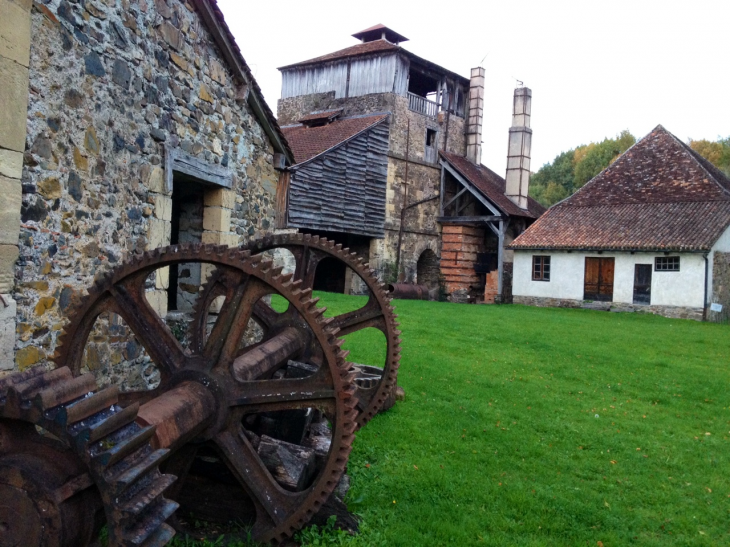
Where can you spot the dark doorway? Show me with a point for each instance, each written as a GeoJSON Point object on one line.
{"type": "Point", "coordinates": [599, 279]}
{"type": "Point", "coordinates": [642, 283]}
{"type": "Point", "coordinates": [330, 276]}
{"type": "Point", "coordinates": [427, 269]}
{"type": "Point", "coordinates": [186, 227]}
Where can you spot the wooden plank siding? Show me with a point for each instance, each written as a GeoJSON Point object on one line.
{"type": "Point", "coordinates": [379, 74]}
{"type": "Point", "coordinates": [343, 190]}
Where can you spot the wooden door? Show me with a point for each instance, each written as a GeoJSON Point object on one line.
{"type": "Point", "coordinates": [598, 284]}
{"type": "Point", "coordinates": [642, 283]}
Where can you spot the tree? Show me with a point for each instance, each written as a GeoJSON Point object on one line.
{"type": "Point", "coordinates": [572, 169]}
{"type": "Point", "coordinates": [717, 153]}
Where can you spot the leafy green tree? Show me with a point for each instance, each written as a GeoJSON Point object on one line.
{"type": "Point", "coordinates": [717, 153]}
{"type": "Point", "coordinates": [570, 170]}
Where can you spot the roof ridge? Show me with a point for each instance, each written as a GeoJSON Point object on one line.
{"type": "Point", "coordinates": [697, 157]}
{"type": "Point", "coordinates": [610, 165]}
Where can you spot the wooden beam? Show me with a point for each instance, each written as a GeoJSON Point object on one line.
{"type": "Point", "coordinates": [443, 191]}
{"type": "Point", "coordinates": [177, 161]}
{"type": "Point", "coordinates": [452, 200]}
{"type": "Point", "coordinates": [474, 191]}
{"type": "Point", "coordinates": [466, 219]}
{"type": "Point", "coordinates": [500, 259]}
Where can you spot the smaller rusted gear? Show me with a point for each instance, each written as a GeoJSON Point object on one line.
{"type": "Point", "coordinates": [375, 386]}
{"type": "Point", "coordinates": [89, 429]}
{"type": "Point", "coordinates": [208, 390]}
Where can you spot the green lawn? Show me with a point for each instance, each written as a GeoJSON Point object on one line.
{"type": "Point", "coordinates": [531, 426]}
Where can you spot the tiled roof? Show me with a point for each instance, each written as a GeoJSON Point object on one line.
{"type": "Point", "coordinates": [492, 186]}
{"type": "Point", "coordinates": [658, 195]}
{"type": "Point", "coordinates": [353, 51]}
{"type": "Point", "coordinates": [308, 142]}
{"type": "Point", "coordinates": [326, 115]}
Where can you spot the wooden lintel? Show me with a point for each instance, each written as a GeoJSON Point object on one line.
{"type": "Point", "coordinates": [468, 220]}
{"type": "Point", "coordinates": [178, 161]}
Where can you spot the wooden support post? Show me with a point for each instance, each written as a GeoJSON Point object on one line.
{"type": "Point", "coordinates": [443, 190]}
{"type": "Point", "coordinates": [500, 258]}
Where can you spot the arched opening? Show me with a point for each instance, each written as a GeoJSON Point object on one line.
{"type": "Point", "coordinates": [427, 269]}
{"type": "Point", "coordinates": [330, 276]}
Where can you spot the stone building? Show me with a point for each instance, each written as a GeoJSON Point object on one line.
{"type": "Point", "coordinates": [650, 233]}
{"type": "Point", "coordinates": [372, 128]}
{"type": "Point", "coordinates": [124, 126]}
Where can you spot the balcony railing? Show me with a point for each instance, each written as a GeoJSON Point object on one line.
{"type": "Point", "coordinates": [422, 105]}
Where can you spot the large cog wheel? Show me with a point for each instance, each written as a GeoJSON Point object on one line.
{"type": "Point", "coordinates": [224, 381]}
{"type": "Point", "coordinates": [375, 386]}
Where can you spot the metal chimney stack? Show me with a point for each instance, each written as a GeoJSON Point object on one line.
{"type": "Point", "coordinates": [476, 116]}
{"type": "Point", "coordinates": [518, 152]}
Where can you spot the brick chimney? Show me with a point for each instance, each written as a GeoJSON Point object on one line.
{"type": "Point", "coordinates": [476, 110]}
{"type": "Point", "coordinates": [518, 152]}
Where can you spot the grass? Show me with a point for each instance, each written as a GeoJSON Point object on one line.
{"type": "Point", "coordinates": [531, 426]}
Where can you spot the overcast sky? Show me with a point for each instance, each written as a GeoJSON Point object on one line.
{"type": "Point", "coordinates": [595, 68]}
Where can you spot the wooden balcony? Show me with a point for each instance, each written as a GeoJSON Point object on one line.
{"type": "Point", "coordinates": [419, 104]}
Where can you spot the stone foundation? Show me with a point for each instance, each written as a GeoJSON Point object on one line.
{"type": "Point", "coordinates": [674, 312]}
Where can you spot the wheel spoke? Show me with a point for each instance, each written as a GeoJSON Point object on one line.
{"type": "Point", "coordinates": [307, 260]}
{"type": "Point", "coordinates": [245, 464]}
{"type": "Point", "coordinates": [370, 315]}
{"type": "Point", "coordinates": [131, 304]}
{"type": "Point", "coordinates": [291, 390]}
{"type": "Point", "coordinates": [265, 315]}
{"type": "Point", "coordinates": [232, 321]}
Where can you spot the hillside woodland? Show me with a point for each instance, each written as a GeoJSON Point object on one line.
{"type": "Point", "coordinates": [572, 169]}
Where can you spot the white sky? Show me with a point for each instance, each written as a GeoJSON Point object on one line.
{"type": "Point", "coordinates": [594, 68]}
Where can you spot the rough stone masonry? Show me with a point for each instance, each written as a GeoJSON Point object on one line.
{"type": "Point", "coordinates": [110, 86]}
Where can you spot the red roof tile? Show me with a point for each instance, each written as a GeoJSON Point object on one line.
{"type": "Point", "coordinates": [658, 195]}
{"type": "Point", "coordinates": [492, 186]}
{"type": "Point", "coordinates": [308, 142]}
{"type": "Point", "coordinates": [326, 115]}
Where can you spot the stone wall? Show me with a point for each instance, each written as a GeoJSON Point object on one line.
{"type": "Point", "coordinates": [14, 61]}
{"type": "Point", "coordinates": [674, 312]}
{"type": "Point", "coordinates": [112, 83]}
{"type": "Point", "coordinates": [720, 288]}
{"type": "Point", "coordinates": [292, 109]}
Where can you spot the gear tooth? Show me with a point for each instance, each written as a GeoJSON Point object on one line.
{"type": "Point", "coordinates": [305, 293]}
{"type": "Point", "coordinates": [343, 353]}
{"type": "Point", "coordinates": [331, 244]}
{"type": "Point", "coordinates": [331, 331]}
{"type": "Point", "coordinates": [314, 239]}
{"type": "Point", "coordinates": [338, 247]}
{"type": "Point", "coordinates": [285, 279]}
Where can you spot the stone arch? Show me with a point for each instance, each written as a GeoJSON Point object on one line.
{"type": "Point", "coordinates": [427, 269]}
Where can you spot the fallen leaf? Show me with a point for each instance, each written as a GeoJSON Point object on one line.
{"type": "Point", "coordinates": [367, 465]}
{"type": "Point", "coordinates": [415, 467]}
{"type": "Point", "coordinates": [614, 461]}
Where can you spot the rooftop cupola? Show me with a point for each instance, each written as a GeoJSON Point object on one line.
{"type": "Point", "coordinates": [380, 32]}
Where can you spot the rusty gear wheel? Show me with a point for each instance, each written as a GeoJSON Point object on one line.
{"type": "Point", "coordinates": [375, 388]}
{"type": "Point", "coordinates": [205, 395]}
